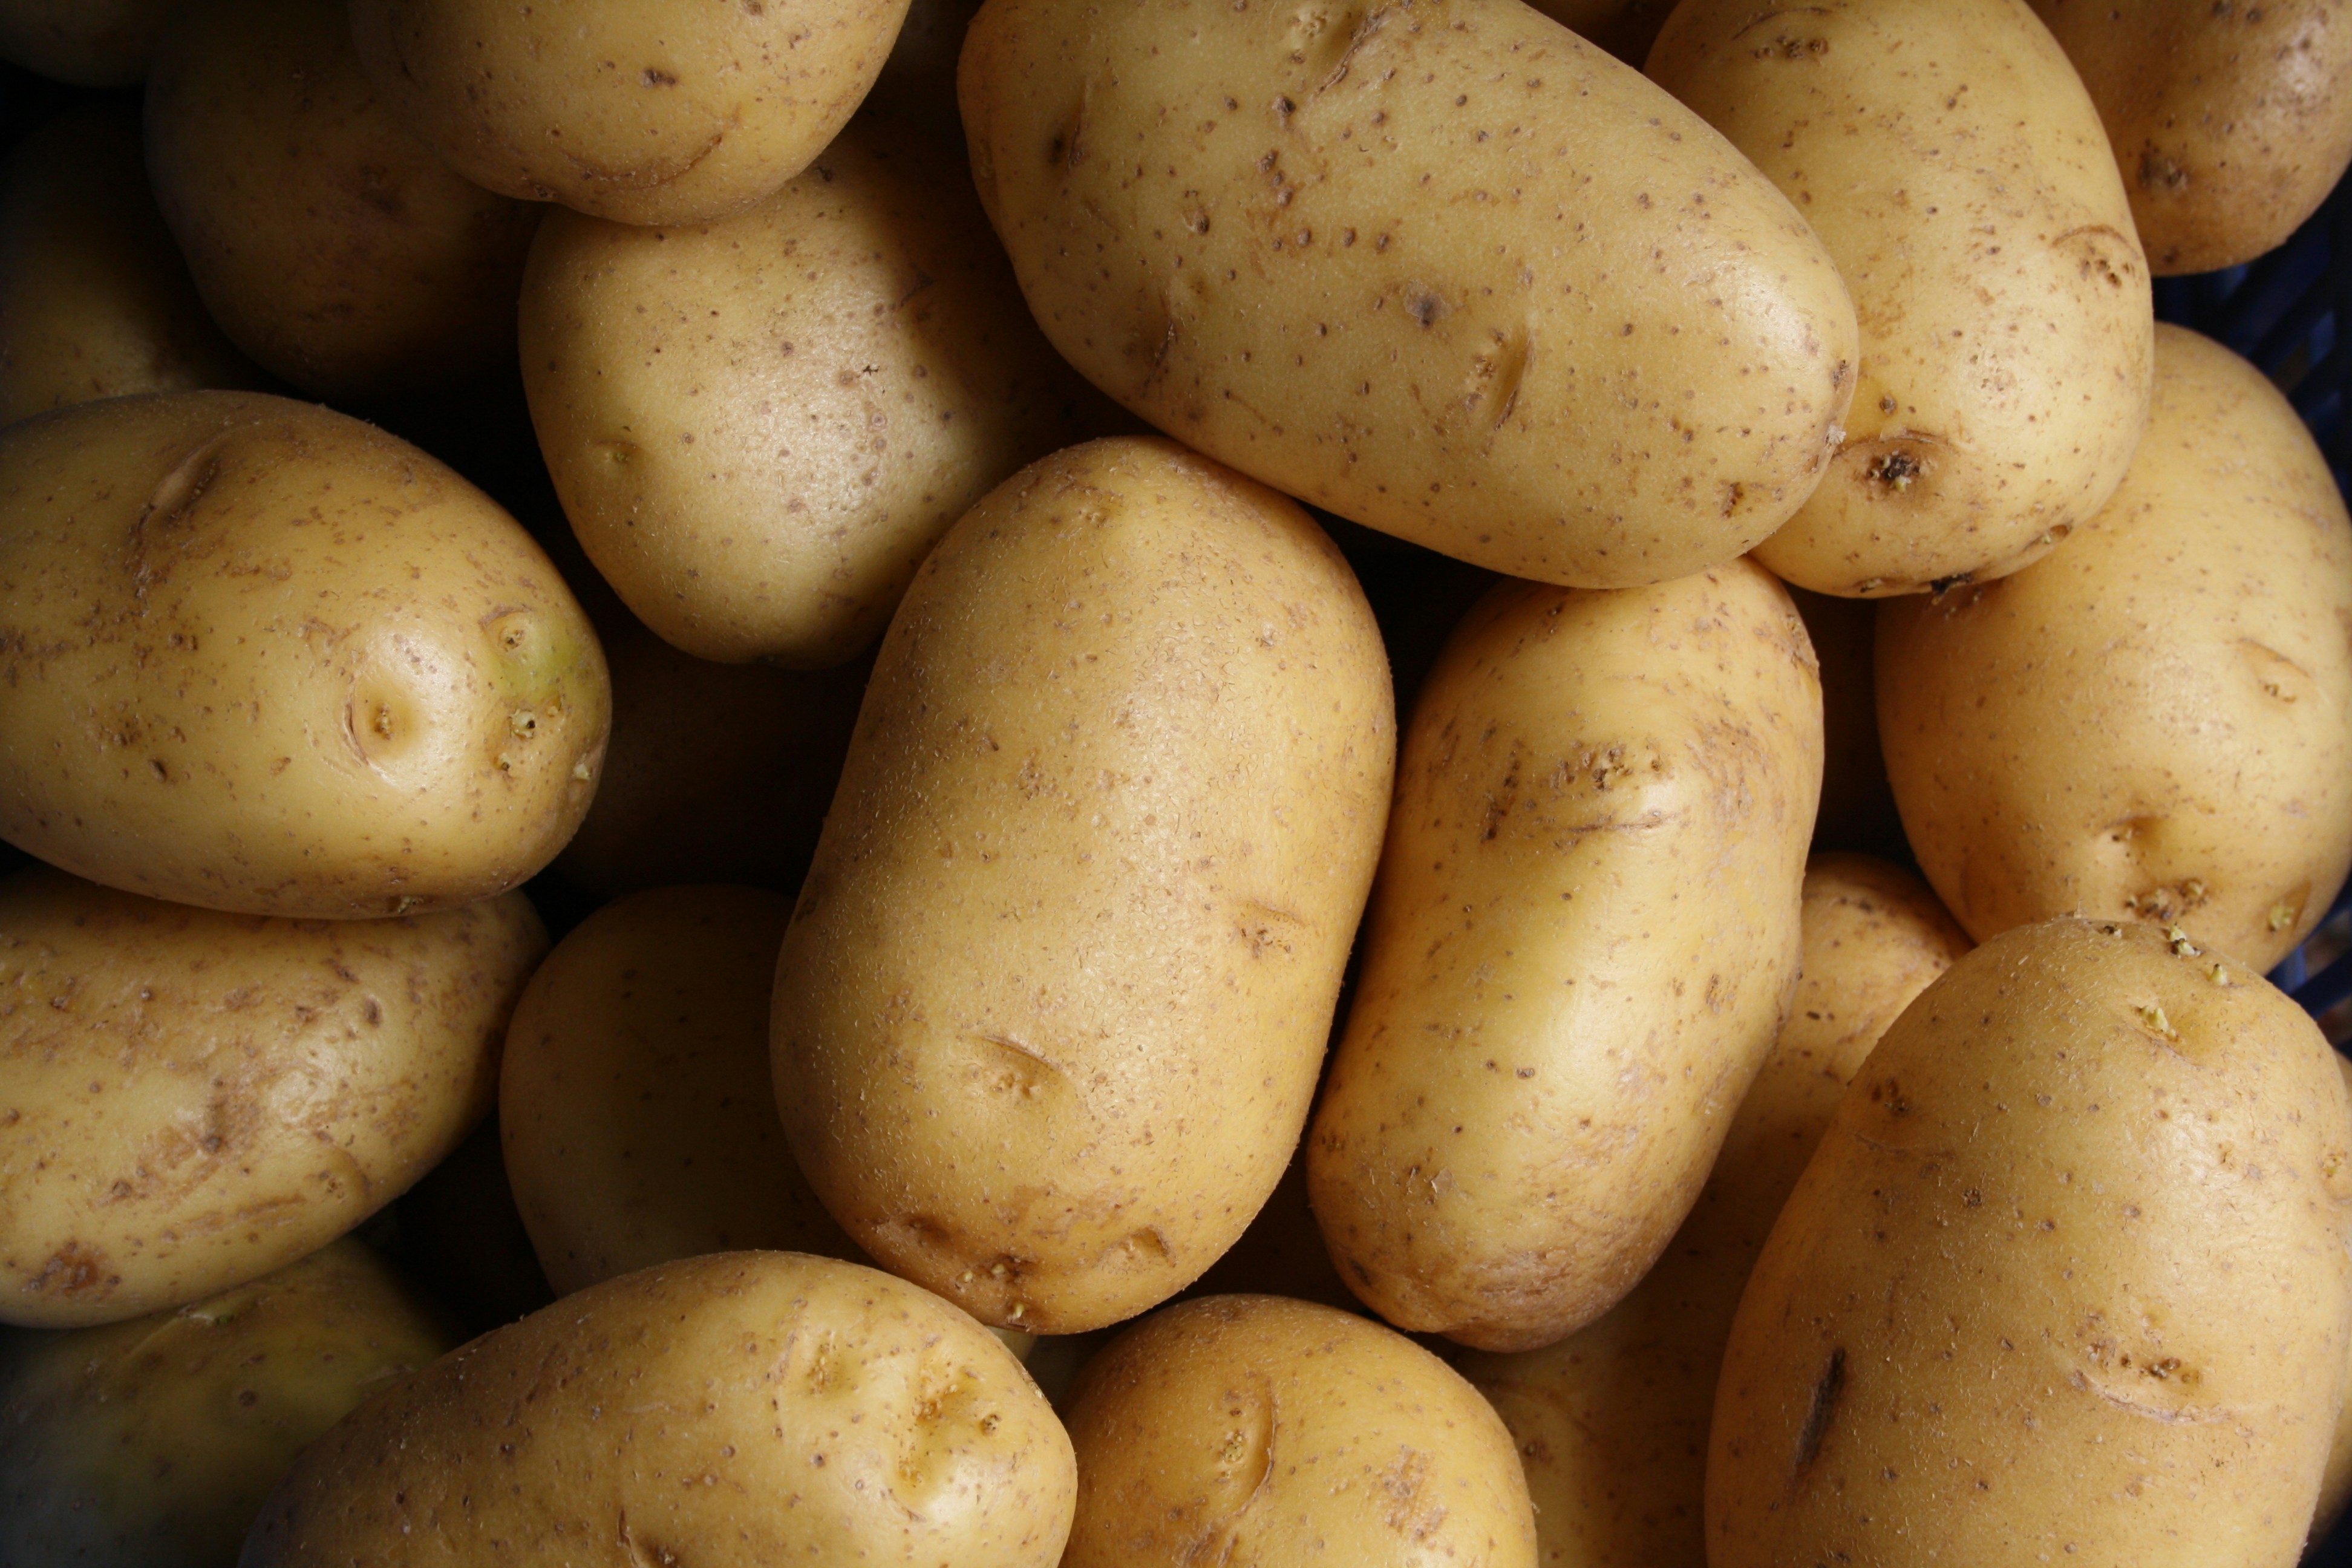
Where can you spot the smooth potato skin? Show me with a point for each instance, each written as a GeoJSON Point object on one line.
{"type": "Point", "coordinates": [89, 43]}
{"type": "Point", "coordinates": [2155, 724]}
{"type": "Point", "coordinates": [1438, 266]}
{"type": "Point", "coordinates": [1051, 1007]}
{"type": "Point", "coordinates": [1584, 937]}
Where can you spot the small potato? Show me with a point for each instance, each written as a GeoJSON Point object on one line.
{"type": "Point", "coordinates": [89, 43]}
{"type": "Point", "coordinates": [257, 657]}
{"type": "Point", "coordinates": [743, 1409]}
{"type": "Point", "coordinates": [192, 1099]}
{"type": "Point", "coordinates": [2155, 724]}
{"type": "Point", "coordinates": [152, 1442]}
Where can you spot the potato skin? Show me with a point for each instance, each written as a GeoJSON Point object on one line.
{"type": "Point", "coordinates": [2155, 724]}
{"type": "Point", "coordinates": [256, 655]}
{"type": "Point", "coordinates": [832, 1412]}
{"type": "Point", "coordinates": [1438, 266]}
{"type": "Point", "coordinates": [1050, 1010]}
{"type": "Point", "coordinates": [192, 1099]}
{"type": "Point", "coordinates": [89, 43]}
{"type": "Point", "coordinates": [1256, 1429]}
{"type": "Point", "coordinates": [2056, 1279]}
{"type": "Point", "coordinates": [1584, 937]}
{"type": "Point", "coordinates": [2335, 1481]}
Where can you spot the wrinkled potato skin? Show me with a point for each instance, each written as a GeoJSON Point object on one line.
{"type": "Point", "coordinates": [152, 1442]}
{"type": "Point", "coordinates": [1953, 164]}
{"type": "Point", "coordinates": [1256, 1429]}
{"type": "Point", "coordinates": [2051, 1285]}
{"type": "Point", "coordinates": [257, 657]}
{"type": "Point", "coordinates": [1438, 266]}
{"type": "Point", "coordinates": [1052, 1006]}
{"type": "Point", "coordinates": [193, 1100]}
{"type": "Point", "coordinates": [835, 1414]}
{"type": "Point", "coordinates": [2155, 724]}
{"type": "Point", "coordinates": [1611, 1422]}
{"type": "Point", "coordinates": [1583, 938]}
{"type": "Point", "coordinates": [89, 43]}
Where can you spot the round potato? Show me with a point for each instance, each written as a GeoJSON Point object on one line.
{"type": "Point", "coordinates": [192, 1099]}
{"type": "Point", "coordinates": [739, 1409]}
{"type": "Point", "coordinates": [91, 43]}
{"type": "Point", "coordinates": [1255, 1429]}
{"type": "Point", "coordinates": [2155, 724]}
{"type": "Point", "coordinates": [257, 657]}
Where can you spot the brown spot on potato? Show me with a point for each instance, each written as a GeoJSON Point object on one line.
{"type": "Point", "coordinates": [1828, 1389]}
{"type": "Point", "coordinates": [72, 1272]}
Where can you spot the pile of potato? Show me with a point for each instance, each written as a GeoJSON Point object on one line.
{"type": "Point", "coordinates": [1270, 744]}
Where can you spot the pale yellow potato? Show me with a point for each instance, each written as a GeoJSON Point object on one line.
{"type": "Point", "coordinates": [1251, 1429]}
{"type": "Point", "coordinates": [1611, 1422]}
{"type": "Point", "coordinates": [1050, 1011]}
{"type": "Point", "coordinates": [193, 1100]}
{"type": "Point", "coordinates": [91, 43]}
{"type": "Point", "coordinates": [1445, 269]}
{"type": "Point", "coordinates": [650, 114]}
{"type": "Point", "coordinates": [2056, 1282]}
{"type": "Point", "coordinates": [1584, 940]}
{"type": "Point", "coordinates": [152, 1442]}
{"type": "Point", "coordinates": [743, 1408]}
{"type": "Point", "coordinates": [258, 657]}
{"type": "Point", "coordinates": [1952, 162]}
{"type": "Point", "coordinates": [2155, 724]}
{"type": "Point", "coordinates": [760, 425]}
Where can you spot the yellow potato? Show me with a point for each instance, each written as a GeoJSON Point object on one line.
{"type": "Point", "coordinates": [1585, 934]}
{"type": "Point", "coordinates": [2056, 1283]}
{"type": "Point", "coordinates": [2155, 724]}
{"type": "Point", "coordinates": [91, 43]}
{"type": "Point", "coordinates": [2335, 1481]}
{"type": "Point", "coordinates": [258, 657]}
{"type": "Point", "coordinates": [193, 1100]}
{"type": "Point", "coordinates": [1442, 269]}
{"type": "Point", "coordinates": [1052, 1004]}
{"type": "Point", "coordinates": [1951, 161]}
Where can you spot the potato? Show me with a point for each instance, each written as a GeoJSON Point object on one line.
{"type": "Point", "coordinates": [1611, 1422]}
{"type": "Point", "coordinates": [760, 425]}
{"type": "Point", "coordinates": [638, 114]}
{"type": "Point", "coordinates": [152, 1442]}
{"type": "Point", "coordinates": [91, 43]}
{"type": "Point", "coordinates": [257, 657]}
{"type": "Point", "coordinates": [193, 1100]}
{"type": "Point", "coordinates": [1254, 1429]}
{"type": "Point", "coordinates": [1951, 161]}
{"type": "Point", "coordinates": [1445, 269]}
{"type": "Point", "coordinates": [1584, 936]}
{"type": "Point", "coordinates": [1052, 1000]}
{"type": "Point", "coordinates": [2155, 724]}
{"type": "Point", "coordinates": [2058, 1280]}
{"type": "Point", "coordinates": [2335, 1481]}
{"type": "Point", "coordinates": [747, 1407]}
{"type": "Point", "coordinates": [1858, 813]}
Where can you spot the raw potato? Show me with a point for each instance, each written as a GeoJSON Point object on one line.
{"type": "Point", "coordinates": [2155, 724]}
{"type": "Point", "coordinates": [1585, 936]}
{"type": "Point", "coordinates": [192, 1099]}
{"type": "Point", "coordinates": [2230, 122]}
{"type": "Point", "coordinates": [2335, 1481]}
{"type": "Point", "coordinates": [256, 655]}
{"type": "Point", "coordinates": [89, 43]}
{"type": "Point", "coordinates": [153, 1444]}
{"type": "Point", "coordinates": [2066, 1280]}
{"type": "Point", "coordinates": [1052, 1004]}
{"type": "Point", "coordinates": [1254, 1429]}
{"type": "Point", "coordinates": [650, 114]}
{"type": "Point", "coordinates": [1611, 1422]}
{"type": "Point", "coordinates": [1951, 161]}
{"type": "Point", "coordinates": [741, 1409]}
{"type": "Point", "coordinates": [1438, 266]}
{"type": "Point", "coordinates": [760, 425]}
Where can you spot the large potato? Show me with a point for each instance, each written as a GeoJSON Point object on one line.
{"type": "Point", "coordinates": [258, 657]}
{"type": "Point", "coordinates": [91, 43]}
{"type": "Point", "coordinates": [1443, 269]}
{"type": "Point", "coordinates": [2066, 1280]}
{"type": "Point", "coordinates": [1585, 933]}
{"type": "Point", "coordinates": [743, 1409]}
{"type": "Point", "coordinates": [1951, 160]}
{"type": "Point", "coordinates": [192, 1099]}
{"type": "Point", "coordinates": [2155, 724]}
{"type": "Point", "coordinates": [1052, 1004]}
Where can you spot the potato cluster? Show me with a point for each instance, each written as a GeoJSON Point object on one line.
{"type": "Point", "coordinates": [1033, 783]}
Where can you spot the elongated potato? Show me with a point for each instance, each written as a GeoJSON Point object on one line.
{"type": "Point", "coordinates": [1585, 933]}
{"type": "Point", "coordinates": [1052, 1005]}
{"type": "Point", "coordinates": [1442, 268]}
